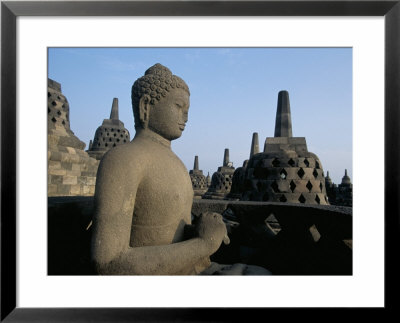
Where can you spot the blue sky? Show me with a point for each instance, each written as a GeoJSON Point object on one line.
{"type": "Point", "coordinates": [234, 93]}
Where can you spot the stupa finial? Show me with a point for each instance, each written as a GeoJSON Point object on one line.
{"type": "Point", "coordinates": [283, 123]}
{"type": "Point", "coordinates": [255, 149]}
{"type": "Point", "coordinates": [114, 115]}
{"type": "Point", "coordinates": [226, 157]}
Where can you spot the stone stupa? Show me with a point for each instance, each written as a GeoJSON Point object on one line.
{"type": "Point", "coordinates": [221, 181]}
{"type": "Point", "coordinates": [71, 171]}
{"type": "Point", "coordinates": [199, 181]}
{"type": "Point", "coordinates": [110, 134]}
{"type": "Point", "coordinates": [286, 171]}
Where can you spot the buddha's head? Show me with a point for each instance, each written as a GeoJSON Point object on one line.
{"type": "Point", "coordinates": [160, 102]}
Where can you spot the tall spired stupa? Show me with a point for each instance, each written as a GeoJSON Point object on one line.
{"type": "Point", "coordinates": [285, 171]}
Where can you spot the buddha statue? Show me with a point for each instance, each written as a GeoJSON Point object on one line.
{"type": "Point", "coordinates": [142, 223]}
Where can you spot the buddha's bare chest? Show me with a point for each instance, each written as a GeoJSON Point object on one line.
{"type": "Point", "coordinates": [165, 193]}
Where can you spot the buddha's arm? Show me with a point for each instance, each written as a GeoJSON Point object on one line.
{"type": "Point", "coordinates": [111, 251]}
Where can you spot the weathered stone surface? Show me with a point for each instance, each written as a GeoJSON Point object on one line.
{"type": "Point", "coordinates": [286, 171]}
{"type": "Point", "coordinates": [65, 153]}
{"type": "Point", "coordinates": [144, 194]}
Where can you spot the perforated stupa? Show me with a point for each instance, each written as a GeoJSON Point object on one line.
{"type": "Point", "coordinates": [286, 171]}
{"type": "Point", "coordinates": [221, 181]}
{"type": "Point", "coordinates": [110, 134]}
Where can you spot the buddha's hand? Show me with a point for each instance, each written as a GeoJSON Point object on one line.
{"type": "Point", "coordinates": [211, 228]}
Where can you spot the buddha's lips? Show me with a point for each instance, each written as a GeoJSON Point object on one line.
{"type": "Point", "coordinates": [182, 126]}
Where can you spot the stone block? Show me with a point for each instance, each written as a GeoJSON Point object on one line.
{"type": "Point", "coordinates": [91, 181]}
{"type": "Point", "coordinates": [51, 189]}
{"type": "Point", "coordinates": [56, 179]}
{"type": "Point", "coordinates": [75, 189]}
{"type": "Point", "coordinates": [61, 172]}
{"type": "Point", "coordinates": [64, 189]}
{"type": "Point", "coordinates": [55, 155]}
{"type": "Point", "coordinates": [66, 165]}
{"type": "Point", "coordinates": [54, 164]}
{"type": "Point", "coordinates": [76, 167]}
{"type": "Point", "coordinates": [87, 173]}
{"type": "Point", "coordinates": [82, 180]}
{"type": "Point", "coordinates": [70, 180]}
{"type": "Point", "coordinates": [74, 172]}
{"type": "Point", "coordinates": [92, 190]}
{"type": "Point", "coordinates": [85, 190]}
{"type": "Point", "coordinates": [71, 150]}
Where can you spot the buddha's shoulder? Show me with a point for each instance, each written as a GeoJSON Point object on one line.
{"type": "Point", "coordinates": [126, 156]}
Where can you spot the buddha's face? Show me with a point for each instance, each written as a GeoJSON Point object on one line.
{"type": "Point", "coordinates": [168, 117]}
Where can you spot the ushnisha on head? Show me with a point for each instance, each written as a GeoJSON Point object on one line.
{"type": "Point", "coordinates": [152, 89]}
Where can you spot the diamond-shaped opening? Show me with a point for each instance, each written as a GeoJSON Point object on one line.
{"type": "Point", "coordinates": [301, 173]}
{"type": "Point", "coordinates": [321, 186]}
{"type": "Point", "coordinates": [283, 173]}
{"type": "Point", "coordinates": [309, 186]}
{"type": "Point", "coordinates": [54, 119]}
{"type": "Point", "coordinates": [317, 199]}
{"type": "Point", "coordinates": [48, 94]}
{"type": "Point", "coordinates": [63, 122]}
{"type": "Point", "coordinates": [291, 162]}
{"type": "Point", "coordinates": [275, 187]}
{"type": "Point", "coordinates": [302, 199]}
{"type": "Point", "coordinates": [261, 173]}
{"type": "Point", "coordinates": [316, 164]}
{"type": "Point", "coordinates": [114, 145]}
{"type": "Point", "coordinates": [306, 162]}
{"type": "Point", "coordinates": [283, 198]}
{"type": "Point", "coordinates": [54, 103]}
{"type": "Point", "coordinates": [59, 112]}
{"type": "Point", "coordinates": [315, 173]}
{"type": "Point", "coordinates": [48, 110]}
{"type": "Point", "coordinates": [276, 162]}
{"type": "Point", "coordinates": [259, 186]}
{"type": "Point", "coordinates": [292, 186]}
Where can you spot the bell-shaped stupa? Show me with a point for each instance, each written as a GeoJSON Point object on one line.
{"type": "Point", "coordinates": [199, 181]}
{"type": "Point", "coordinates": [286, 171]}
{"type": "Point", "coordinates": [221, 180]}
{"type": "Point", "coordinates": [71, 171]}
{"type": "Point", "coordinates": [110, 134]}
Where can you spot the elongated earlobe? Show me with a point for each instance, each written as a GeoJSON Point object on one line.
{"type": "Point", "coordinates": [144, 110]}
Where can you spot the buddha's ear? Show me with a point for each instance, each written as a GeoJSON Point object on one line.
{"type": "Point", "coordinates": [144, 110]}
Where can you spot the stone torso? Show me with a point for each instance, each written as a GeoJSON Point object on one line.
{"type": "Point", "coordinates": [163, 199]}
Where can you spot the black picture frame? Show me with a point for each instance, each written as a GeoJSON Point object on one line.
{"type": "Point", "coordinates": [10, 10]}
